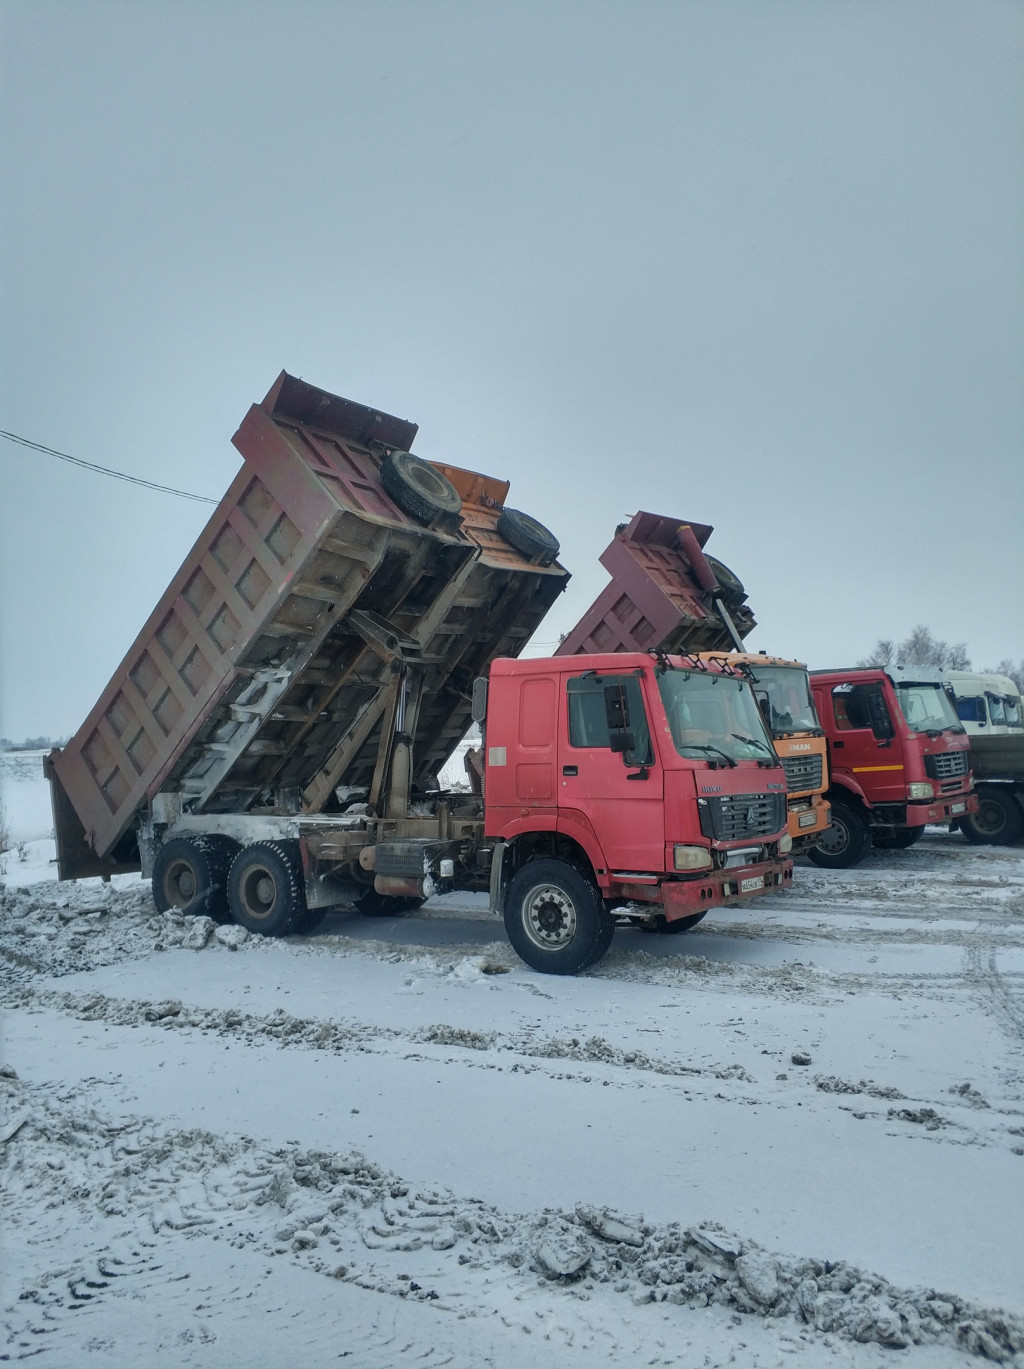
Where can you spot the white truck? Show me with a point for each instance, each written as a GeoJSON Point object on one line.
{"type": "Point", "coordinates": [992, 712]}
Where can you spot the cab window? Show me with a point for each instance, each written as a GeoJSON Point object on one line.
{"type": "Point", "coordinates": [588, 717]}
{"type": "Point", "coordinates": [971, 709]}
{"type": "Point", "coordinates": [861, 706]}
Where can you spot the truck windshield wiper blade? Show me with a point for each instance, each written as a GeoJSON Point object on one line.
{"type": "Point", "coordinates": [717, 750]}
{"type": "Point", "coordinates": [753, 741]}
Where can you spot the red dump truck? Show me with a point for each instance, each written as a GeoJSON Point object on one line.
{"type": "Point", "coordinates": [899, 758]}
{"type": "Point", "coordinates": [667, 594]}
{"type": "Point", "coordinates": [268, 749]}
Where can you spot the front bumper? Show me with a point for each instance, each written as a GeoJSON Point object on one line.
{"type": "Point", "coordinates": [941, 810]}
{"type": "Point", "coordinates": [723, 888]}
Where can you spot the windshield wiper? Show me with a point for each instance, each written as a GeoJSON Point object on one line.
{"type": "Point", "coordinates": [754, 741]}
{"type": "Point", "coordinates": [701, 746]}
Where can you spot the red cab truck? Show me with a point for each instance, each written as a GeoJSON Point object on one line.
{"type": "Point", "coordinates": [898, 759]}
{"type": "Point", "coordinates": [630, 782]}
{"type": "Point", "coordinates": [269, 747]}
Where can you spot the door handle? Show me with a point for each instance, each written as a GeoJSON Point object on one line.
{"type": "Point", "coordinates": [570, 770]}
{"type": "Point", "coordinates": [838, 745]}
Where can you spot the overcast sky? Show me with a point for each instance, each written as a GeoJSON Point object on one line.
{"type": "Point", "coordinates": [753, 263]}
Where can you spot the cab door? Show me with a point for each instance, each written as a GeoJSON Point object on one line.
{"type": "Point", "coordinates": [609, 775]}
{"type": "Point", "coordinates": [865, 744]}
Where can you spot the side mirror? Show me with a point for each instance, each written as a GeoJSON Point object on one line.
{"type": "Point", "coordinates": [881, 724]}
{"type": "Point", "coordinates": [616, 709]}
{"type": "Point", "coordinates": [622, 740]}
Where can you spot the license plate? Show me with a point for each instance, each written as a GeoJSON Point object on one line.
{"type": "Point", "coordinates": [748, 885]}
{"type": "Point", "coordinates": [958, 807]}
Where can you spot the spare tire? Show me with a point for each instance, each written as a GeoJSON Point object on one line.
{"type": "Point", "coordinates": [732, 586]}
{"type": "Point", "coordinates": [528, 536]}
{"type": "Point", "coordinates": [418, 488]}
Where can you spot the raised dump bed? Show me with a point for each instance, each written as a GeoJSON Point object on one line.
{"type": "Point", "coordinates": [275, 668]}
{"type": "Point", "coordinates": [665, 594]}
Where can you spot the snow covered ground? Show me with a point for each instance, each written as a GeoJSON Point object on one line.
{"type": "Point", "coordinates": [794, 1136]}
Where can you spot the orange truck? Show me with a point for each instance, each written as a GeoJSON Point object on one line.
{"type": "Point", "coordinates": [783, 691]}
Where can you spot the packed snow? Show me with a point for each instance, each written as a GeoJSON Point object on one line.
{"type": "Point", "coordinates": [793, 1136]}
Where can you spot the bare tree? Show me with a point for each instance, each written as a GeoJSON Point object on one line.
{"type": "Point", "coordinates": [1013, 672]}
{"type": "Point", "coordinates": [920, 648]}
{"type": "Point", "coordinates": [883, 654]}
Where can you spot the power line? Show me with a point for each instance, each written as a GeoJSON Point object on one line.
{"type": "Point", "coordinates": [104, 470]}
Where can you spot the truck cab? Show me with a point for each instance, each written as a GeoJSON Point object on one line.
{"type": "Point", "coordinates": [783, 692]}
{"type": "Point", "coordinates": [990, 709]}
{"type": "Point", "coordinates": [899, 758]}
{"type": "Point", "coordinates": [631, 784]}
{"type": "Point", "coordinates": [987, 705]}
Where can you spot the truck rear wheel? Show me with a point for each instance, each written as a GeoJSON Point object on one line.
{"type": "Point", "coordinates": [418, 488]}
{"type": "Point", "coordinates": [998, 821]}
{"type": "Point", "coordinates": [265, 890]}
{"type": "Point", "coordinates": [527, 535]}
{"type": "Point", "coordinates": [555, 918]}
{"type": "Point", "coordinates": [191, 875]}
{"type": "Point", "coordinates": [844, 843]}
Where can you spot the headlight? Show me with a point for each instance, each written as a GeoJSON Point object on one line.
{"type": "Point", "coordinates": [691, 857]}
{"type": "Point", "coordinates": [785, 845]}
{"type": "Point", "coordinates": [920, 789]}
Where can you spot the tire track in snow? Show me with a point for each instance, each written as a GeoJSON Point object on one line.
{"type": "Point", "coordinates": [1002, 994]}
{"type": "Point", "coordinates": [197, 1204]}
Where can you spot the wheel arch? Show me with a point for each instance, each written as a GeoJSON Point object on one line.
{"type": "Point", "coordinates": [553, 845]}
{"type": "Point", "coordinates": [849, 792]}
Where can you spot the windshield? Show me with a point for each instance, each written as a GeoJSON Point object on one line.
{"type": "Point", "coordinates": [997, 710]}
{"type": "Point", "coordinates": [784, 694]}
{"type": "Point", "coordinates": [714, 717]}
{"type": "Point", "coordinates": [926, 708]}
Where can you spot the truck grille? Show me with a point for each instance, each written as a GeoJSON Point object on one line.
{"type": "Point", "coordinates": [946, 765]}
{"type": "Point", "coordinates": [735, 817]}
{"type": "Point", "coordinates": [802, 773]}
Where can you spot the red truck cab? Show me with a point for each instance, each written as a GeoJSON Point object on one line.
{"type": "Point", "coordinates": [899, 758]}
{"type": "Point", "coordinates": [644, 784]}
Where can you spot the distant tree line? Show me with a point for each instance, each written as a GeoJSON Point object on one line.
{"type": "Point", "coordinates": [922, 647]}
{"type": "Point", "coordinates": [31, 743]}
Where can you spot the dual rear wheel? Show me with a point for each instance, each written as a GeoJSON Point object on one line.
{"type": "Point", "coordinates": [260, 887]}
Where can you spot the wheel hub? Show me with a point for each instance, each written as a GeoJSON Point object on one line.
{"type": "Point", "coordinates": [181, 884]}
{"type": "Point", "coordinates": [834, 839]}
{"type": "Point", "coordinates": [258, 892]}
{"type": "Point", "coordinates": [549, 918]}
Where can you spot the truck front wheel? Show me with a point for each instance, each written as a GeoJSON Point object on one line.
{"type": "Point", "coordinates": [191, 875]}
{"type": "Point", "coordinates": [555, 918]}
{"type": "Point", "coordinates": [844, 843]}
{"type": "Point", "coordinates": [998, 821]}
{"type": "Point", "coordinates": [265, 888]}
